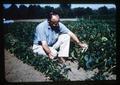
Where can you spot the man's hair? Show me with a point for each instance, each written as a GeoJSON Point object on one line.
{"type": "Point", "coordinates": [49, 16]}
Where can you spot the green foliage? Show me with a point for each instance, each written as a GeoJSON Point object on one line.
{"type": "Point", "coordinates": [18, 41]}
{"type": "Point", "coordinates": [100, 35]}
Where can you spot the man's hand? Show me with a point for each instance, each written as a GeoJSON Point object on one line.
{"type": "Point", "coordinates": [47, 50]}
{"type": "Point", "coordinates": [84, 46]}
{"type": "Point", "coordinates": [51, 55]}
{"type": "Point", "coordinates": [75, 38]}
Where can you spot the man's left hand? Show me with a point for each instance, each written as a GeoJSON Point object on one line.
{"type": "Point", "coordinates": [84, 46]}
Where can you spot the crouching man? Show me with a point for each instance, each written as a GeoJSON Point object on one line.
{"type": "Point", "coordinates": [50, 35]}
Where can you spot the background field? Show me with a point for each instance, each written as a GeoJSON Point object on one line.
{"type": "Point", "coordinates": [99, 34]}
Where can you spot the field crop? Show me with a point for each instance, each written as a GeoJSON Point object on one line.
{"type": "Point", "coordinates": [100, 35]}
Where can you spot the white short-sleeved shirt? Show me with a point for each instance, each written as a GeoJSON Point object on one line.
{"type": "Point", "coordinates": [44, 32]}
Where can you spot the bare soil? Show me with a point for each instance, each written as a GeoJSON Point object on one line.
{"type": "Point", "coordinates": [17, 71]}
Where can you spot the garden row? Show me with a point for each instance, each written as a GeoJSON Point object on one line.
{"type": "Point", "coordinates": [100, 35]}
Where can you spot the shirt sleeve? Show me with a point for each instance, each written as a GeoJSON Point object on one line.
{"type": "Point", "coordinates": [41, 33]}
{"type": "Point", "coordinates": [63, 28]}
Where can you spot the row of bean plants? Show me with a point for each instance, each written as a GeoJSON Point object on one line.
{"type": "Point", "coordinates": [100, 35]}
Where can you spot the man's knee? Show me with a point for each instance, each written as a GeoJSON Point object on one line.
{"type": "Point", "coordinates": [37, 49]}
{"type": "Point", "coordinates": [65, 36]}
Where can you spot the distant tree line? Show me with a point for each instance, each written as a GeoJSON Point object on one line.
{"type": "Point", "coordinates": [64, 10]}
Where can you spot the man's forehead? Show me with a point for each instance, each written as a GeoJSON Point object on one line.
{"type": "Point", "coordinates": [55, 18]}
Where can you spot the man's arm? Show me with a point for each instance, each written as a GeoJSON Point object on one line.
{"type": "Point", "coordinates": [75, 38]}
{"type": "Point", "coordinates": [47, 49]}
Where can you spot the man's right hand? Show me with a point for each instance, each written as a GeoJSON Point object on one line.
{"type": "Point", "coordinates": [51, 56]}
{"type": "Point", "coordinates": [47, 49]}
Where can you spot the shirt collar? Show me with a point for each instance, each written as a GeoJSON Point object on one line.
{"type": "Point", "coordinates": [48, 24]}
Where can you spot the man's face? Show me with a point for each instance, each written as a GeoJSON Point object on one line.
{"type": "Point", "coordinates": [54, 22]}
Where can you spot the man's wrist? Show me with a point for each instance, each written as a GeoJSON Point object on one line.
{"type": "Point", "coordinates": [79, 43]}
{"type": "Point", "coordinates": [49, 53]}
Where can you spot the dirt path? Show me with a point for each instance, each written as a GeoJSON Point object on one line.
{"type": "Point", "coordinates": [76, 74]}
{"type": "Point", "coordinates": [17, 71]}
